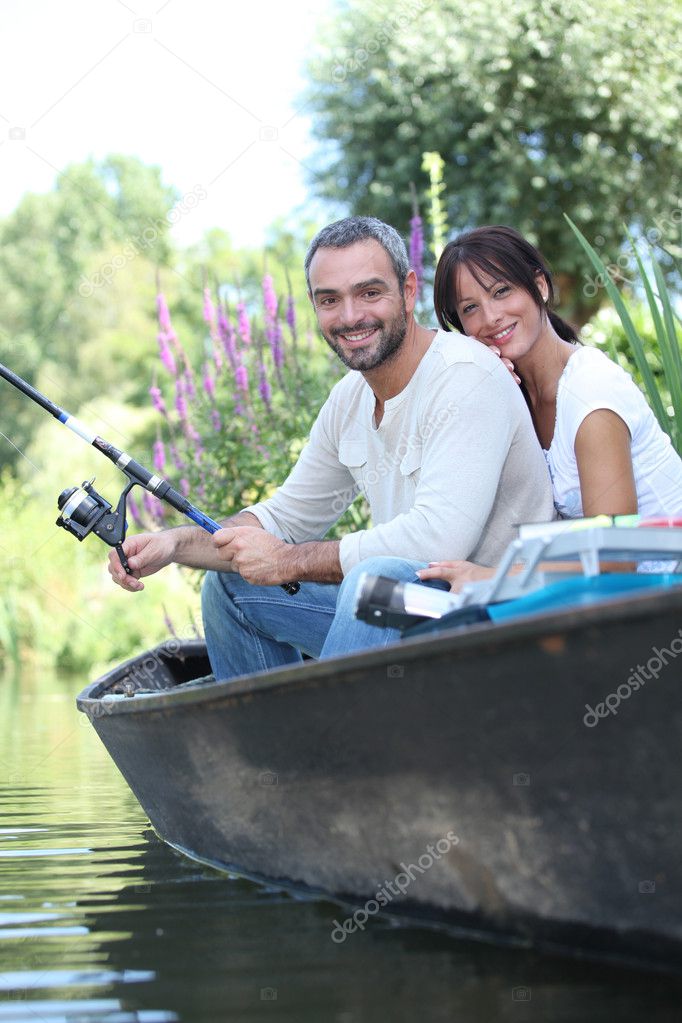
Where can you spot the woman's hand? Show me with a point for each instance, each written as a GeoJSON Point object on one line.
{"type": "Point", "coordinates": [457, 573]}
{"type": "Point", "coordinates": [505, 362]}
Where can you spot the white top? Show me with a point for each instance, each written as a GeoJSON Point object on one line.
{"type": "Point", "coordinates": [591, 381]}
{"type": "Point", "coordinates": [449, 472]}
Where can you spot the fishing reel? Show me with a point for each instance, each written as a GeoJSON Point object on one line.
{"type": "Point", "coordinates": [84, 511]}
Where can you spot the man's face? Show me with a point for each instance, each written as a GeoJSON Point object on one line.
{"type": "Point", "coordinates": [359, 307]}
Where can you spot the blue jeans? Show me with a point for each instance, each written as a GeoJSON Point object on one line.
{"type": "Point", "coordinates": [253, 628]}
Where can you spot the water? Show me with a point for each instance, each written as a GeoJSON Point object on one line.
{"type": "Point", "coordinates": [100, 921]}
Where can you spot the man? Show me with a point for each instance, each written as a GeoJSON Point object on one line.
{"type": "Point", "coordinates": [429, 426]}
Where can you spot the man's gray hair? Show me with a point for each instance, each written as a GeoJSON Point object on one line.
{"type": "Point", "coordinates": [350, 230]}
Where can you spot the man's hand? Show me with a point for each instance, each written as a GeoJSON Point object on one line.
{"type": "Point", "coordinates": [147, 553]}
{"type": "Point", "coordinates": [457, 573]}
{"type": "Point", "coordinates": [257, 555]}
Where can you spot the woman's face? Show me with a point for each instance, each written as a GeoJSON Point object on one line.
{"type": "Point", "coordinates": [499, 314]}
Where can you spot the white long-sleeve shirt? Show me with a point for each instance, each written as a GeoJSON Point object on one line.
{"type": "Point", "coordinates": [452, 468]}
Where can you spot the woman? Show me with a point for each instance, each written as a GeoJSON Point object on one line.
{"type": "Point", "coordinates": [605, 451]}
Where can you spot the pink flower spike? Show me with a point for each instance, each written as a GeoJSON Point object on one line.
{"type": "Point", "coordinates": [269, 298]}
{"type": "Point", "coordinates": [184, 487]}
{"type": "Point", "coordinates": [134, 511]}
{"type": "Point", "coordinates": [264, 388]}
{"type": "Point", "coordinates": [291, 315]}
{"type": "Point", "coordinates": [215, 420]}
{"type": "Point", "coordinates": [241, 377]}
{"type": "Point", "coordinates": [163, 313]}
{"type": "Point", "coordinates": [209, 383]}
{"type": "Point", "coordinates": [177, 461]}
{"type": "Point", "coordinates": [166, 354]}
{"type": "Point", "coordinates": [180, 403]}
{"type": "Point", "coordinates": [209, 309]}
{"type": "Point", "coordinates": [417, 251]}
{"type": "Point", "coordinates": [243, 325]}
{"type": "Point", "coordinates": [157, 400]}
{"type": "Point", "coordinates": [159, 456]}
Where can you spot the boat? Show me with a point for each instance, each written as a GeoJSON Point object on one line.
{"type": "Point", "coordinates": [515, 780]}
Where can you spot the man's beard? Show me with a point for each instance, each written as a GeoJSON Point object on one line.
{"type": "Point", "coordinates": [387, 344]}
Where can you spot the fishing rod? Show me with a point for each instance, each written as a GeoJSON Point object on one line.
{"type": "Point", "coordinates": [84, 511]}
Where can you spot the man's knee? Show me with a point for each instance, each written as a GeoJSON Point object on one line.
{"type": "Point", "coordinates": [216, 593]}
{"type": "Point", "coordinates": [394, 568]}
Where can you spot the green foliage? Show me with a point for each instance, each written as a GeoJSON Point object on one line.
{"type": "Point", "coordinates": [105, 218]}
{"type": "Point", "coordinates": [59, 608]}
{"type": "Point", "coordinates": [434, 165]}
{"type": "Point", "coordinates": [659, 365]}
{"type": "Point", "coordinates": [535, 108]}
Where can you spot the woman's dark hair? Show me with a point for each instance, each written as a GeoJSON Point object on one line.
{"type": "Point", "coordinates": [503, 254]}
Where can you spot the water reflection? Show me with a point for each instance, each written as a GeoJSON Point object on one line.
{"type": "Point", "coordinates": [100, 921]}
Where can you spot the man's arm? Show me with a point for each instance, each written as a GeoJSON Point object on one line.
{"type": "Point", "coordinates": [265, 560]}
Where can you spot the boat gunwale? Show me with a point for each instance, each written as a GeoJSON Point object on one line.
{"type": "Point", "coordinates": [340, 670]}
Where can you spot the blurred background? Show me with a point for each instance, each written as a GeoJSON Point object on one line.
{"type": "Point", "coordinates": [164, 166]}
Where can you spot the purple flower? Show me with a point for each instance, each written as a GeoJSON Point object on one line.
{"type": "Point", "coordinates": [269, 298]}
{"type": "Point", "coordinates": [159, 456]}
{"type": "Point", "coordinates": [153, 506]}
{"type": "Point", "coordinates": [215, 420]}
{"type": "Point", "coordinates": [175, 458]}
{"type": "Point", "coordinates": [165, 353]}
{"type": "Point", "coordinates": [209, 309]}
{"type": "Point", "coordinates": [191, 434]}
{"type": "Point", "coordinates": [184, 486]}
{"type": "Point", "coordinates": [264, 388]}
{"type": "Point", "coordinates": [243, 325]}
{"type": "Point", "coordinates": [163, 313]}
{"type": "Point", "coordinates": [180, 403]}
{"type": "Point", "coordinates": [291, 315]}
{"type": "Point", "coordinates": [278, 346]}
{"type": "Point", "coordinates": [241, 378]}
{"type": "Point", "coordinates": [209, 383]}
{"type": "Point", "coordinates": [188, 379]}
{"type": "Point", "coordinates": [157, 400]}
{"type": "Point", "coordinates": [134, 511]}
{"type": "Point", "coordinates": [417, 251]}
{"type": "Point", "coordinates": [226, 334]}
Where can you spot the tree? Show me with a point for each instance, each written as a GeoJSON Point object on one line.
{"type": "Point", "coordinates": [51, 246]}
{"type": "Point", "coordinates": [537, 109]}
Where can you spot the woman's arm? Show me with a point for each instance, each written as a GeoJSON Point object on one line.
{"type": "Point", "coordinates": [604, 459]}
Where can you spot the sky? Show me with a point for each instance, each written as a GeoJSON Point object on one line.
{"type": "Point", "coordinates": [210, 92]}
